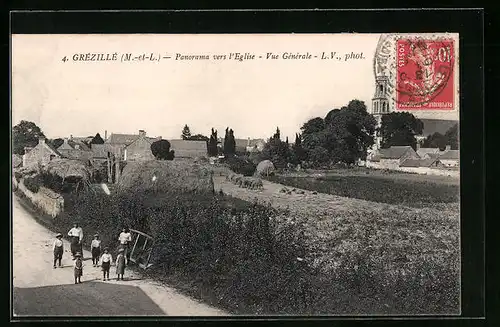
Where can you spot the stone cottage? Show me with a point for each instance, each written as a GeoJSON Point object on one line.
{"type": "Point", "coordinates": [139, 149]}
{"type": "Point", "coordinates": [42, 153]}
{"type": "Point", "coordinates": [117, 143]}
{"type": "Point", "coordinates": [392, 157]}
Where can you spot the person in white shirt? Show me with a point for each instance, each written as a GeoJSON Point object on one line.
{"type": "Point", "coordinates": [105, 263]}
{"type": "Point", "coordinates": [125, 238]}
{"type": "Point", "coordinates": [95, 248]}
{"type": "Point", "coordinates": [58, 249]}
{"type": "Point", "coordinates": [76, 234]}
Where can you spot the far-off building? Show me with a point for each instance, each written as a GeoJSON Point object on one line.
{"type": "Point", "coordinates": [41, 154]}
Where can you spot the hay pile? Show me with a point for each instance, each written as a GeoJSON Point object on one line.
{"type": "Point", "coordinates": [164, 176]}
{"type": "Point", "coordinates": [253, 183]}
{"type": "Point", "coordinates": [68, 169]}
{"type": "Point", "coordinates": [265, 168]}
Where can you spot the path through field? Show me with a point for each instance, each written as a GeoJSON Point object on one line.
{"type": "Point", "coordinates": [41, 290]}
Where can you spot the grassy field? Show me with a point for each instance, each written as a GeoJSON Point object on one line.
{"type": "Point", "coordinates": [392, 189]}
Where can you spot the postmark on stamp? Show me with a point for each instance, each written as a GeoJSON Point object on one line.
{"type": "Point", "coordinates": [420, 70]}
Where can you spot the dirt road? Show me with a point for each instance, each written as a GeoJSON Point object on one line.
{"type": "Point", "coordinates": [41, 290]}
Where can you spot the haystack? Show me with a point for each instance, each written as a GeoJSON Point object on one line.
{"type": "Point", "coordinates": [166, 176]}
{"type": "Point", "coordinates": [265, 168]}
{"type": "Point", "coordinates": [68, 169]}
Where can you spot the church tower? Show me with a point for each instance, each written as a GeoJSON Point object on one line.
{"type": "Point", "coordinates": [381, 104]}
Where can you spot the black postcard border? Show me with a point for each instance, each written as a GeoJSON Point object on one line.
{"type": "Point", "coordinates": [468, 23]}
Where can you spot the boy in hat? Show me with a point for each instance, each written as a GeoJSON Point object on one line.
{"type": "Point", "coordinates": [58, 249]}
{"type": "Point", "coordinates": [106, 260]}
{"type": "Point", "coordinates": [78, 267]}
{"type": "Point", "coordinates": [95, 248]}
{"type": "Point", "coordinates": [120, 264]}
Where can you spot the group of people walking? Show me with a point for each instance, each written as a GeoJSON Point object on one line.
{"type": "Point", "coordinates": [104, 259]}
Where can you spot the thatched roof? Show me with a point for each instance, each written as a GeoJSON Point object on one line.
{"type": "Point", "coordinates": [450, 155]}
{"type": "Point", "coordinates": [166, 176]}
{"type": "Point", "coordinates": [65, 168]}
{"type": "Point", "coordinates": [394, 152]}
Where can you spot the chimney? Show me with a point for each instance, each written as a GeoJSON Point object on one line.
{"type": "Point", "coordinates": [418, 146]}
{"type": "Point", "coordinates": [105, 135]}
{"type": "Point", "coordinates": [70, 136]}
{"type": "Point", "coordinates": [66, 140]}
{"type": "Point", "coordinates": [41, 139]}
{"type": "Point", "coordinates": [448, 147]}
{"type": "Point", "coordinates": [248, 142]}
{"type": "Point", "coordinates": [142, 132]}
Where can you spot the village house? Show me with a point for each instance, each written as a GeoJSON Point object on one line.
{"type": "Point", "coordinates": [189, 149]}
{"type": "Point", "coordinates": [139, 149]}
{"type": "Point", "coordinates": [450, 158]}
{"type": "Point", "coordinates": [427, 163]}
{"type": "Point", "coordinates": [249, 145]}
{"type": "Point", "coordinates": [392, 157]}
{"type": "Point", "coordinates": [73, 149]}
{"type": "Point", "coordinates": [117, 143]}
{"type": "Point", "coordinates": [42, 153]}
{"type": "Point", "coordinates": [100, 152]}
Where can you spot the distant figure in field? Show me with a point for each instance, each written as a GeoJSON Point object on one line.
{"type": "Point", "coordinates": [105, 262]}
{"type": "Point", "coordinates": [78, 266]}
{"type": "Point", "coordinates": [95, 248]}
{"type": "Point", "coordinates": [58, 249]}
{"type": "Point", "coordinates": [125, 238]}
{"type": "Point", "coordinates": [120, 264]}
{"type": "Point", "coordinates": [76, 234]}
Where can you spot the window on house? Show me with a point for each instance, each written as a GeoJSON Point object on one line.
{"type": "Point", "coordinates": [381, 89]}
{"type": "Point", "coordinates": [52, 156]}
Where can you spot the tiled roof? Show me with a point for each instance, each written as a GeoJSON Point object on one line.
{"type": "Point", "coordinates": [450, 155]}
{"type": "Point", "coordinates": [101, 150]}
{"type": "Point", "coordinates": [126, 139]}
{"type": "Point", "coordinates": [394, 152]}
{"type": "Point", "coordinates": [72, 145]}
{"type": "Point", "coordinates": [122, 138]}
{"type": "Point", "coordinates": [423, 151]}
{"type": "Point", "coordinates": [190, 149]}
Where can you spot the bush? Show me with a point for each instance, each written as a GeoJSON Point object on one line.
{"type": "Point", "coordinates": [241, 165]}
{"type": "Point", "coordinates": [33, 183]}
{"type": "Point", "coordinates": [18, 176]}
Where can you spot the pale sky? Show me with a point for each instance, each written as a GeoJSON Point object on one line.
{"type": "Point", "coordinates": [251, 97]}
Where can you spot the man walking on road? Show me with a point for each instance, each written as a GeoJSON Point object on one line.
{"type": "Point", "coordinates": [125, 238]}
{"type": "Point", "coordinates": [76, 234]}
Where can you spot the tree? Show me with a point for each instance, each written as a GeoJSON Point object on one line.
{"type": "Point", "coordinates": [277, 151]}
{"type": "Point", "coordinates": [186, 133]}
{"type": "Point", "coordinates": [343, 136]}
{"type": "Point", "coordinates": [229, 143]}
{"type": "Point", "coordinates": [451, 136]}
{"type": "Point", "coordinates": [212, 144]}
{"type": "Point", "coordinates": [25, 134]}
{"type": "Point", "coordinates": [436, 140]}
{"type": "Point", "coordinates": [400, 128]}
{"type": "Point", "coordinates": [161, 150]}
{"type": "Point", "coordinates": [314, 125]}
{"type": "Point", "coordinates": [56, 143]}
{"type": "Point", "coordinates": [97, 140]}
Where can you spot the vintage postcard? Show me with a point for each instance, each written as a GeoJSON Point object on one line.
{"type": "Point", "coordinates": [226, 174]}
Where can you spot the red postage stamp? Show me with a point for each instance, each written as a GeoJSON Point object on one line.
{"type": "Point", "coordinates": [425, 74]}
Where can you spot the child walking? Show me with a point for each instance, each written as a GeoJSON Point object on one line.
{"type": "Point", "coordinates": [78, 267]}
{"type": "Point", "coordinates": [58, 249]}
{"type": "Point", "coordinates": [95, 248]}
{"type": "Point", "coordinates": [120, 264]}
{"type": "Point", "coordinates": [106, 260]}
